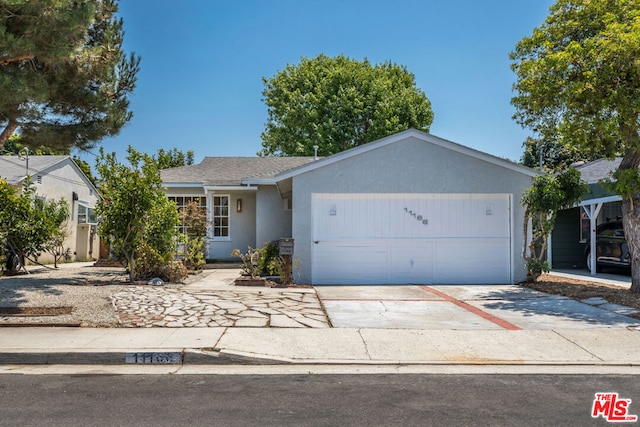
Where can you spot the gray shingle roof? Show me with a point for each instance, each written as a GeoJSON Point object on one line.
{"type": "Point", "coordinates": [14, 169]}
{"type": "Point", "coordinates": [598, 169]}
{"type": "Point", "coordinates": [231, 170]}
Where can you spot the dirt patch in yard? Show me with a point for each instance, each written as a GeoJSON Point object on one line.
{"type": "Point", "coordinates": [581, 290]}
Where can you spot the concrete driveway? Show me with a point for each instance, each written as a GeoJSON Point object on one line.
{"type": "Point", "coordinates": [499, 307]}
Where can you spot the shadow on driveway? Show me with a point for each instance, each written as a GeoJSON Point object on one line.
{"type": "Point", "coordinates": [461, 307]}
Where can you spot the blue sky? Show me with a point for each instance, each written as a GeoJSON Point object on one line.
{"type": "Point", "coordinates": [200, 84]}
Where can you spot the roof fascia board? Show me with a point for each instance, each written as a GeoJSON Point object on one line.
{"type": "Point", "coordinates": [489, 158]}
{"type": "Point", "coordinates": [39, 170]}
{"type": "Point", "coordinates": [86, 178]}
{"type": "Point", "coordinates": [390, 140]}
{"type": "Point", "coordinates": [43, 171]}
{"type": "Point", "coordinates": [12, 182]}
{"type": "Point", "coordinates": [261, 181]}
{"type": "Point", "coordinates": [182, 184]}
{"type": "Point", "coordinates": [46, 170]}
{"type": "Point", "coordinates": [74, 165]}
{"type": "Point", "coordinates": [607, 199]}
{"type": "Point", "coordinates": [229, 188]}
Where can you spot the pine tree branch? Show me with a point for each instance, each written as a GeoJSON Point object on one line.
{"type": "Point", "coordinates": [5, 61]}
{"type": "Point", "coordinates": [8, 131]}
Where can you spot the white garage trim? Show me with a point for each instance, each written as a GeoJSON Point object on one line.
{"type": "Point", "coordinates": [412, 238]}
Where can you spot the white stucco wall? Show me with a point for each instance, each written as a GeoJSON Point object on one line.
{"type": "Point", "coordinates": [407, 166]}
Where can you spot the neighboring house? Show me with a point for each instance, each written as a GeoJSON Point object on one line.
{"type": "Point", "coordinates": [55, 178]}
{"type": "Point", "coordinates": [408, 208]}
{"type": "Point", "coordinates": [574, 227]}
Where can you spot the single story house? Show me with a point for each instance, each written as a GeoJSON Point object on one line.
{"type": "Point", "coordinates": [55, 178]}
{"type": "Point", "coordinates": [408, 208]}
{"type": "Point", "coordinates": [575, 227]}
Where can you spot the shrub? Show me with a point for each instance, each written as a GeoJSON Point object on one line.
{"type": "Point", "coordinates": [151, 264]}
{"type": "Point", "coordinates": [269, 254]}
{"type": "Point", "coordinates": [194, 253]}
{"type": "Point", "coordinates": [194, 219]}
{"type": "Point", "coordinates": [250, 261]}
{"type": "Point", "coordinates": [172, 272]}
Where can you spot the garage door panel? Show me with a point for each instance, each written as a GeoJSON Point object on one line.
{"type": "Point", "coordinates": [411, 238]}
{"type": "Point", "coordinates": [464, 261]}
{"type": "Point", "coordinates": [340, 262]}
{"type": "Point", "coordinates": [411, 261]}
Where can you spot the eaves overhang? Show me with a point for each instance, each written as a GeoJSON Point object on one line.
{"type": "Point", "coordinates": [230, 188]}
{"type": "Point", "coordinates": [422, 136]}
{"type": "Point", "coordinates": [182, 184]}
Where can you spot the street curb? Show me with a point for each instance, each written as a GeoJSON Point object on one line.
{"type": "Point", "coordinates": [204, 357]}
{"type": "Point", "coordinates": [187, 356]}
{"type": "Point", "coordinates": [63, 358]}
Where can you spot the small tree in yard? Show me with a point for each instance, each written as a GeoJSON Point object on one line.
{"type": "Point", "coordinates": [29, 226]}
{"type": "Point", "coordinates": [542, 200]}
{"type": "Point", "coordinates": [58, 214]}
{"type": "Point", "coordinates": [136, 218]}
{"type": "Point", "coordinates": [194, 220]}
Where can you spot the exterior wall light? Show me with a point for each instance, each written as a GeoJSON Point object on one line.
{"type": "Point", "coordinates": [239, 205]}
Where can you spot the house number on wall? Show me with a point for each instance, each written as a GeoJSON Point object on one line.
{"type": "Point", "coordinates": [416, 216]}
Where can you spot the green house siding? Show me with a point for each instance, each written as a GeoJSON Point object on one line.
{"type": "Point", "coordinates": [567, 251]}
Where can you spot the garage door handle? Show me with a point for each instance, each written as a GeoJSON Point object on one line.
{"type": "Point", "coordinates": [316, 241]}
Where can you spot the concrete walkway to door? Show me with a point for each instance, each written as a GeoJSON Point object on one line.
{"type": "Point", "coordinates": [460, 307]}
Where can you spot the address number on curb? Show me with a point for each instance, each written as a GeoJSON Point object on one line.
{"type": "Point", "coordinates": [154, 358]}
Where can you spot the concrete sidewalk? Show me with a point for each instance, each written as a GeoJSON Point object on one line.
{"type": "Point", "coordinates": [620, 280]}
{"type": "Point", "coordinates": [339, 346]}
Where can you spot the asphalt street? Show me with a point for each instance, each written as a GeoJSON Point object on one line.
{"type": "Point", "coordinates": [308, 400]}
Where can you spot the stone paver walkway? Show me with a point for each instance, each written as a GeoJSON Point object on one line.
{"type": "Point", "coordinates": [146, 306]}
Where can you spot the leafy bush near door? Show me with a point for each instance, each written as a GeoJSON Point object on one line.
{"type": "Point", "coordinates": [195, 224]}
{"type": "Point", "coordinates": [269, 255]}
{"type": "Point", "coordinates": [260, 261]}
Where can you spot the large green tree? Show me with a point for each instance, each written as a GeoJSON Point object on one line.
{"type": "Point", "coordinates": [578, 82]}
{"type": "Point", "coordinates": [173, 158]}
{"type": "Point", "coordinates": [65, 79]}
{"type": "Point", "coordinates": [136, 217]}
{"type": "Point", "coordinates": [555, 157]}
{"type": "Point", "coordinates": [339, 103]}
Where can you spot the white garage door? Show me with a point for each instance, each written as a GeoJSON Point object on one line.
{"type": "Point", "coordinates": [411, 238]}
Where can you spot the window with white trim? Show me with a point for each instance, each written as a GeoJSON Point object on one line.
{"type": "Point", "coordinates": [87, 215]}
{"type": "Point", "coordinates": [220, 217]}
{"type": "Point", "coordinates": [183, 201]}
